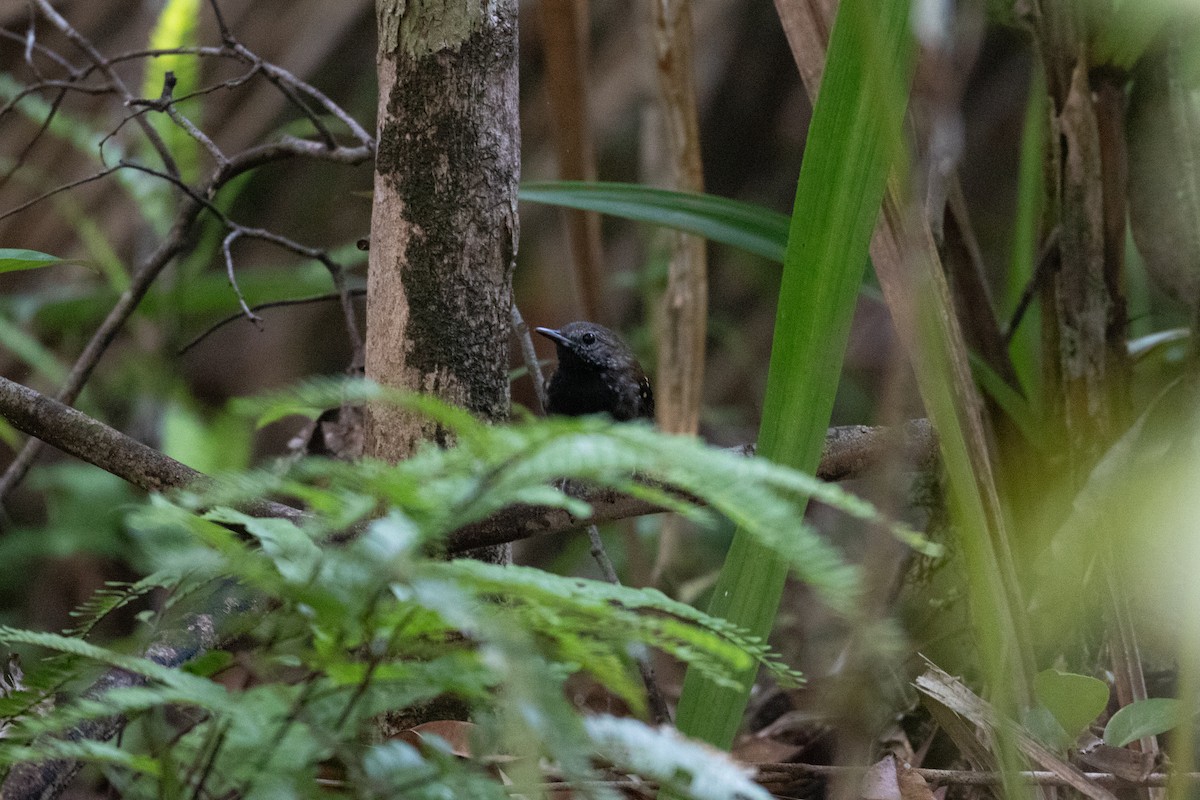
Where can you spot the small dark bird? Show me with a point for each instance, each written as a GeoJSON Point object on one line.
{"type": "Point", "coordinates": [597, 374]}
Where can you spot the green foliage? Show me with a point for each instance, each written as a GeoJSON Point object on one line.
{"type": "Point", "coordinates": [1121, 31]}
{"type": "Point", "coordinates": [667, 757]}
{"type": "Point", "coordinates": [85, 508]}
{"type": "Point", "coordinates": [745, 226]}
{"type": "Point", "coordinates": [1142, 718]}
{"type": "Point", "coordinates": [1072, 700]}
{"type": "Point", "coordinates": [219, 444]}
{"type": "Point", "coordinates": [378, 625]}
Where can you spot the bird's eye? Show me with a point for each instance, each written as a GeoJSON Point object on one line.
{"type": "Point", "coordinates": [588, 338]}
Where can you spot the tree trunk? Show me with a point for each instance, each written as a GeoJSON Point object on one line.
{"type": "Point", "coordinates": [444, 221]}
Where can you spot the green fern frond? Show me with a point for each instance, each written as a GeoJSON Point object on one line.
{"type": "Point", "coordinates": [199, 692]}
{"type": "Point", "coordinates": [114, 596]}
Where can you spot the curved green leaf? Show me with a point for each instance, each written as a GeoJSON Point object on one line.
{"type": "Point", "coordinates": [745, 226]}
{"type": "Point", "coordinates": [1143, 718]}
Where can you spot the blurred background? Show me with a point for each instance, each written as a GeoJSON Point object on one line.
{"type": "Point", "coordinates": [62, 531]}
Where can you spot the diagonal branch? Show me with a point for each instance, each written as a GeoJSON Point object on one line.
{"type": "Point", "coordinates": [89, 439]}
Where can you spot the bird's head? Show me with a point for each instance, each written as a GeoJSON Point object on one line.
{"type": "Point", "coordinates": [588, 344]}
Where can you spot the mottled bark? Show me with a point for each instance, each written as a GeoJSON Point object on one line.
{"type": "Point", "coordinates": [444, 222]}
{"type": "Point", "coordinates": [1086, 307]}
{"type": "Point", "coordinates": [1084, 310]}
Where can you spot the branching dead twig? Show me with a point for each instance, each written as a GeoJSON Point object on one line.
{"type": "Point", "coordinates": [194, 199]}
{"type": "Point", "coordinates": [89, 49]}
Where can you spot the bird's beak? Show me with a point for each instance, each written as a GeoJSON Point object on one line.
{"type": "Point", "coordinates": [554, 336]}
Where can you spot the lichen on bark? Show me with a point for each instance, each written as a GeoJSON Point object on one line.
{"type": "Point", "coordinates": [444, 224]}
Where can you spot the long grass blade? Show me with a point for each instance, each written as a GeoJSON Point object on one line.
{"type": "Point", "coordinates": [851, 142]}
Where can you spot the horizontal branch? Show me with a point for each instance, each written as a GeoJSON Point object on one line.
{"type": "Point", "coordinates": [849, 451]}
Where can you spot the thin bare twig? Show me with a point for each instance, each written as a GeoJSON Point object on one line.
{"type": "Point", "coordinates": [104, 173]}
{"type": "Point", "coordinates": [237, 230]}
{"type": "Point", "coordinates": [288, 84]}
{"type": "Point", "coordinates": [299, 301]}
{"type": "Point", "coordinates": [85, 45]}
{"type": "Point", "coordinates": [153, 265]}
{"type": "Point", "coordinates": [167, 104]}
{"type": "Point", "coordinates": [530, 356]}
{"type": "Point", "coordinates": [1041, 272]}
{"type": "Point", "coordinates": [31, 45]}
{"type": "Point", "coordinates": [203, 51]}
{"type": "Point", "coordinates": [226, 244]}
{"type": "Point", "coordinates": [31, 42]}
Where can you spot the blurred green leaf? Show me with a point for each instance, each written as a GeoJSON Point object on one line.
{"type": "Point", "coordinates": [212, 446]}
{"type": "Point", "coordinates": [309, 399]}
{"type": "Point", "coordinates": [1045, 727]}
{"type": "Point", "coordinates": [1074, 700]}
{"type": "Point", "coordinates": [1025, 342]}
{"type": "Point", "coordinates": [1010, 400]}
{"type": "Point", "coordinates": [9, 435]}
{"type": "Point", "coordinates": [30, 350]}
{"type": "Point", "coordinates": [1121, 31]}
{"type": "Point", "coordinates": [664, 755]}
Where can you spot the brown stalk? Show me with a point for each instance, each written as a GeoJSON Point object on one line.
{"type": "Point", "coordinates": [564, 28]}
{"type": "Point", "coordinates": [682, 314]}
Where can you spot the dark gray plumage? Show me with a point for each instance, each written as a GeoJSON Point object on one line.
{"type": "Point", "coordinates": [597, 374]}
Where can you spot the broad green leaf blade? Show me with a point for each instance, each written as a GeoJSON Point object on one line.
{"type": "Point", "coordinates": [1142, 718]}
{"type": "Point", "coordinates": [1074, 700]}
{"type": "Point", "coordinates": [855, 131]}
{"type": "Point", "coordinates": [745, 226]}
{"type": "Point", "coordinates": [17, 260]}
